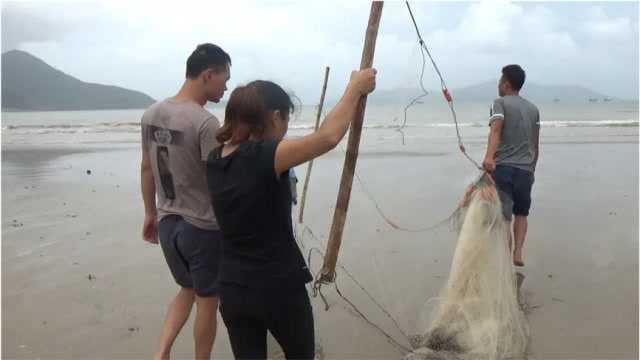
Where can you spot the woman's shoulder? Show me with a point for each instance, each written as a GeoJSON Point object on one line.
{"type": "Point", "coordinates": [262, 150]}
{"type": "Point", "coordinates": [259, 148]}
{"type": "Point", "coordinates": [260, 144]}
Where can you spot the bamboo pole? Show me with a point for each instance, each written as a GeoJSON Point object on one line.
{"type": "Point", "coordinates": [342, 204]}
{"type": "Point", "coordinates": [308, 175]}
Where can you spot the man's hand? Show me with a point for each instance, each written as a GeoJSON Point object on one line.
{"type": "Point", "coordinates": [148, 187]}
{"type": "Point", "coordinates": [489, 164]}
{"type": "Point", "coordinates": [150, 229]}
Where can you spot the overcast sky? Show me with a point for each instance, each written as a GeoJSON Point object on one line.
{"type": "Point", "coordinates": [144, 45]}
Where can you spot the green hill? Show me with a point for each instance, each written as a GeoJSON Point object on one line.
{"type": "Point", "coordinates": [30, 84]}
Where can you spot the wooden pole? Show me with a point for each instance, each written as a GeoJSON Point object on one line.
{"type": "Point", "coordinates": [344, 194]}
{"type": "Point", "coordinates": [308, 175]}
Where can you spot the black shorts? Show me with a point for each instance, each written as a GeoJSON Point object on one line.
{"type": "Point", "coordinates": [193, 254]}
{"type": "Point", "coordinates": [514, 187]}
{"type": "Point", "coordinates": [286, 313]}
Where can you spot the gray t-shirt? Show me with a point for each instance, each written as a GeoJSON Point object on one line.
{"type": "Point", "coordinates": [179, 136]}
{"type": "Point", "coordinates": [521, 118]}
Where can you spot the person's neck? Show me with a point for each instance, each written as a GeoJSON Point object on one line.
{"type": "Point", "coordinates": [190, 91]}
{"type": "Point", "coordinates": [512, 93]}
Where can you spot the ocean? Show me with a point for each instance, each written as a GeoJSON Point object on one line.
{"type": "Point", "coordinates": [123, 126]}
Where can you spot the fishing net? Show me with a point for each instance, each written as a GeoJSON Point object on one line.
{"type": "Point", "coordinates": [477, 315]}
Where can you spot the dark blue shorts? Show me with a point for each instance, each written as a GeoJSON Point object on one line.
{"type": "Point", "coordinates": [514, 187]}
{"type": "Point", "coordinates": [193, 254]}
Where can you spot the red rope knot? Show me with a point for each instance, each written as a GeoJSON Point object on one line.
{"type": "Point", "coordinates": [446, 94]}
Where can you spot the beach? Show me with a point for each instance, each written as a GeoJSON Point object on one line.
{"type": "Point", "coordinates": [79, 282]}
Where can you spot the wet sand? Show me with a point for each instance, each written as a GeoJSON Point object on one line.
{"type": "Point", "coordinates": [78, 282]}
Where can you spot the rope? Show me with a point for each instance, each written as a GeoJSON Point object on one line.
{"type": "Point", "coordinates": [423, 50]}
{"type": "Point", "coordinates": [391, 222]}
{"type": "Point", "coordinates": [415, 100]}
{"type": "Point", "coordinates": [386, 218]}
{"type": "Point", "coordinates": [317, 291]}
{"type": "Point", "coordinates": [443, 85]}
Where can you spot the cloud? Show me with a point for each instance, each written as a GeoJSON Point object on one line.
{"type": "Point", "coordinates": [554, 45]}
{"type": "Point", "coordinates": [598, 25]}
{"type": "Point", "coordinates": [144, 45]}
{"type": "Point", "coordinates": [39, 29]}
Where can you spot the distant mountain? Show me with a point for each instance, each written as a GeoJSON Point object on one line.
{"type": "Point", "coordinates": [29, 83]}
{"type": "Point", "coordinates": [487, 91]}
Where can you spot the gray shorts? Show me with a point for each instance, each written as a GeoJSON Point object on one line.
{"type": "Point", "coordinates": [193, 254]}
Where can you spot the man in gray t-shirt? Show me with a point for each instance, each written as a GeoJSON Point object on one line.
{"type": "Point", "coordinates": [512, 152]}
{"type": "Point", "coordinates": [177, 136]}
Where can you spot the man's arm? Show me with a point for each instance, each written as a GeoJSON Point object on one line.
{"type": "Point", "coordinates": [489, 163]}
{"type": "Point", "coordinates": [536, 146]}
{"type": "Point", "coordinates": [496, 122]}
{"type": "Point", "coordinates": [150, 227]}
{"type": "Point", "coordinates": [207, 134]}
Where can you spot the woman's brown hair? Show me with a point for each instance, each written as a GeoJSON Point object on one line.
{"type": "Point", "coordinates": [248, 109]}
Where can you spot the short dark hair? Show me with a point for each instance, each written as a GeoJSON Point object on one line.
{"type": "Point", "coordinates": [206, 56]}
{"type": "Point", "coordinates": [248, 108]}
{"type": "Point", "coordinates": [514, 75]}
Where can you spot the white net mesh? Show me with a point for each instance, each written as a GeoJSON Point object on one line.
{"type": "Point", "coordinates": [477, 315]}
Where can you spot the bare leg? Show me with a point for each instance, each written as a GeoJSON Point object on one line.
{"type": "Point", "coordinates": [519, 234]}
{"type": "Point", "coordinates": [204, 330]}
{"type": "Point", "coordinates": [510, 237]}
{"type": "Point", "coordinates": [177, 315]}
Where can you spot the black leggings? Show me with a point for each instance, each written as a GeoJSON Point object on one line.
{"type": "Point", "coordinates": [249, 313]}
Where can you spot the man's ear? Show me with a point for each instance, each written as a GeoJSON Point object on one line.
{"type": "Point", "coordinates": [277, 115]}
{"type": "Point", "coordinates": [207, 74]}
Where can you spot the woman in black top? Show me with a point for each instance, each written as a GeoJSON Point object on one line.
{"type": "Point", "coordinates": [263, 273]}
